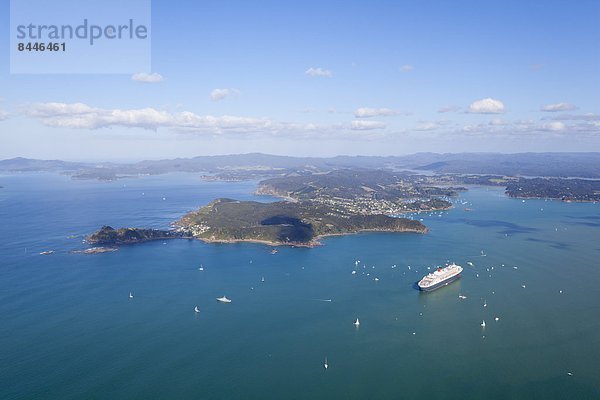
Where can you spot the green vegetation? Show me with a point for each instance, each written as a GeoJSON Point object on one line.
{"type": "Point", "coordinates": [361, 192]}
{"type": "Point", "coordinates": [109, 236]}
{"type": "Point", "coordinates": [555, 188]}
{"type": "Point", "coordinates": [283, 222]}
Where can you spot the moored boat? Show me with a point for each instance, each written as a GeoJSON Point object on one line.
{"type": "Point", "coordinates": [223, 299]}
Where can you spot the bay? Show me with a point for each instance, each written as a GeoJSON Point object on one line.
{"type": "Point", "coordinates": [69, 329]}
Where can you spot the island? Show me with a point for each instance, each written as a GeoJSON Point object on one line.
{"type": "Point", "coordinates": [95, 250]}
{"type": "Point", "coordinates": [110, 236]}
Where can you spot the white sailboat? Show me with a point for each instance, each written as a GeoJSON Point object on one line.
{"type": "Point", "coordinates": [130, 295]}
{"type": "Point", "coordinates": [357, 322]}
{"type": "Point", "coordinates": [325, 364]}
{"type": "Point", "coordinates": [223, 299]}
{"type": "Point", "coordinates": [483, 324]}
{"type": "Point", "coordinates": [196, 309]}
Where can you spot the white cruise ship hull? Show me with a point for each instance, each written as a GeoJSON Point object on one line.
{"type": "Point", "coordinates": [439, 284]}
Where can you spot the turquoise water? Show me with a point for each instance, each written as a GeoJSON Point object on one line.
{"type": "Point", "coordinates": [69, 331]}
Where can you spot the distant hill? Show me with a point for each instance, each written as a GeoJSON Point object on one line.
{"type": "Point", "coordinates": [525, 164]}
{"type": "Point", "coordinates": [586, 165]}
{"type": "Point", "coordinates": [20, 164]}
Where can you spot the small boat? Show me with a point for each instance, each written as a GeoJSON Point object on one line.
{"type": "Point", "coordinates": [483, 324]}
{"type": "Point", "coordinates": [353, 272]}
{"type": "Point", "coordinates": [45, 253]}
{"type": "Point", "coordinates": [196, 309]}
{"type": "Point", "coordinates": [274, 251]}
{"type": "Point", "coordinates": [130, 295]}
{"type": "Point", "coordinates": [462, 297]}
{"type": "Point", "coordinates": [223, 299]}
{"type": "Point", "coordinates": [485, 303]}
{"type": "Point", "coordinates": [470, 263]}
{"type": "Point", "coordinates": [262, 279]}
{"type": "Point", "coordinates": [325, 364]}
{"type": "Point", "coordinates": [357, 322]}
{"type": "Point", "coordinates": [497, 319]}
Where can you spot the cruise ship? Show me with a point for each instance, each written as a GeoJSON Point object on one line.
{"type": "Point", "coordinates": [440, 277]}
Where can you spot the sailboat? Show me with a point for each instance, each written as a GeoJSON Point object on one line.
{"type": "Point", "coordinates": [262, 279]}
{"type": "Point", "coordinates": [325, 365]}
{"type": "Point", "coordinates": [196, 309]}
{"type": "Point", "coordinates": [357, 322]}
{"type": "Point", "coordinates": [130, 295]}
{"type": "Point", "coordinates": [223, 299]}
{"type": "Point", "coordinates": [483, 324]}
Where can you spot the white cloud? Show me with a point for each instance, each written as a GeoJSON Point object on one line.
{"type": "Point", "coordinates": [407, 68]}
{"type": "Point", "coordinates": [360, 125]}
{"type": "Point", "coordinates": [486, 106]}
{"type": "Point", "coordinates": [3, 115]}
{"type": "Point", "coordinates": [365, 112]}
{"type": "Point", "coordinates": [554, 126]}
{"type": "Point", "coordinates": [220, 94]}
{"type": "Point", "coordinates": [558, 107]}
{"type": "Point", "coordinates": [312, 71]}
{"type": "Point", "coordinates": [446, 109]}
{"type": "Point", "coordinates": [144, 77]}
{"type": "Point", "coordinates": [82, 116]}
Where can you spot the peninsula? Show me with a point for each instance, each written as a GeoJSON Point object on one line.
{"type": "Point", "coordinates": [290, 223]}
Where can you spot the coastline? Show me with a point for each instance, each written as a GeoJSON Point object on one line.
{"type": "Point", "coordinates": [313, 243]}
{"type": "Point", "coordinates": [564, 200]}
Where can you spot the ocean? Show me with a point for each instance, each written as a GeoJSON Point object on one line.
{"type": "Point", "coordinates": [68, 329]}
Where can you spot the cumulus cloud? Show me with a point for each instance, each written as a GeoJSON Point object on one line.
{"type": "Point", "coordinates": [486, 106]}
{"type": "Point", "coordinates": [360, 125]}
{"type": "Point", "coordinates": [82, 116]}
{"type": "Point", "coordinates": [312, 71]}
{"type": "Point", "coordinates": [558, 107]}
{"type": "Point", "coordinates": [365, 112]}
{"type": "Point", "coordinates": [144, 77]}
{"type": "Point", "coordinates": [407, 68]}
{"type": "Point", "coordinates": [220, 94]}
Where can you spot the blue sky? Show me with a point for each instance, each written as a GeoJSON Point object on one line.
{"type": "Point", "coordinates": [324, 78]}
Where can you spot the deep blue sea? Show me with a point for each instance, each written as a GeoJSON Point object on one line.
{"type": "Point", "coordinates": [68, 329]}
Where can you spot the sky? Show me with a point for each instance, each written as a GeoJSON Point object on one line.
{"type": "Point", "coordinates": [323, 78]}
